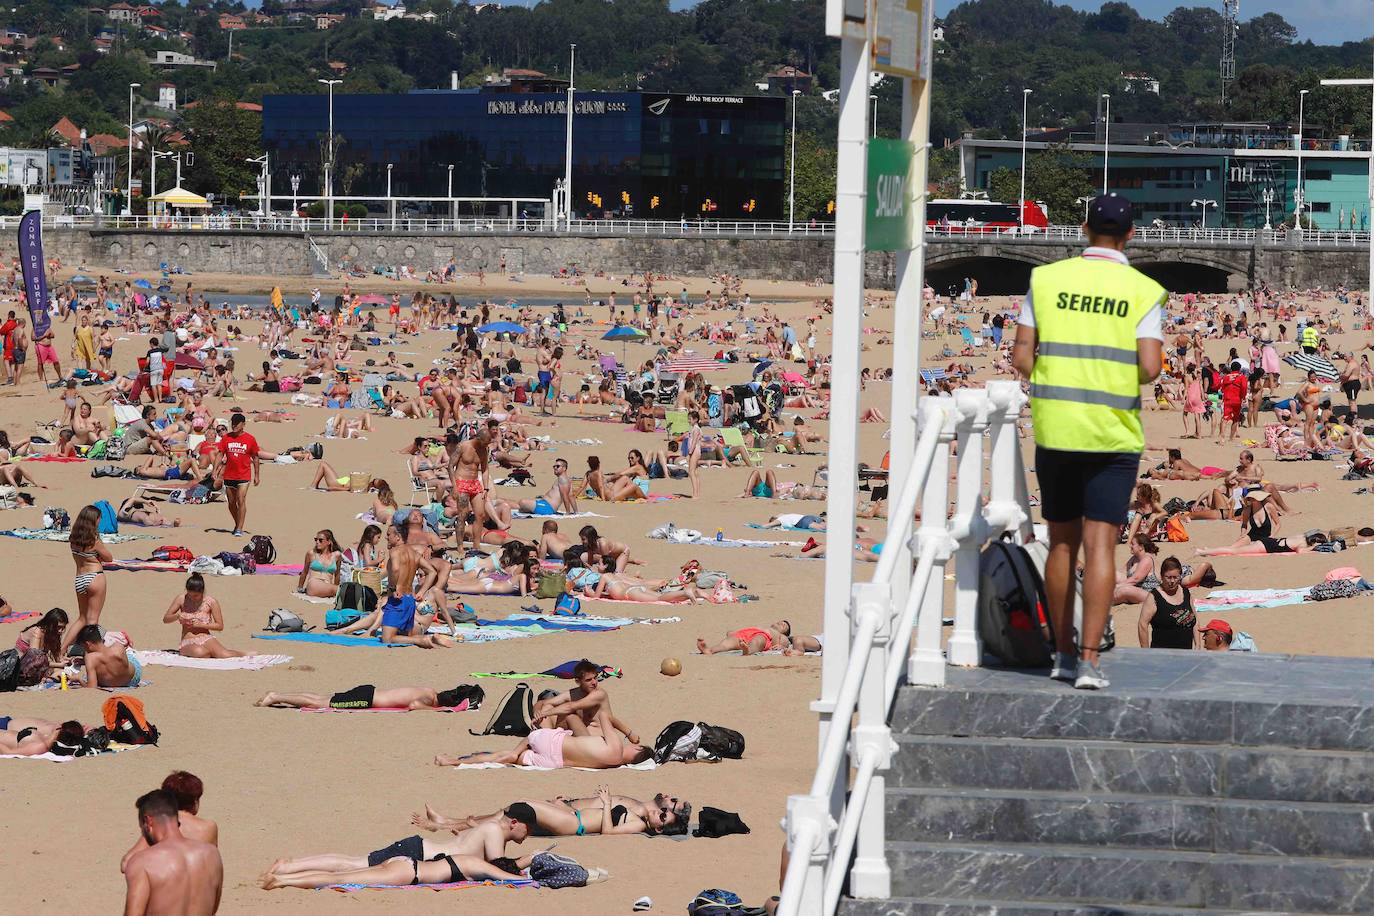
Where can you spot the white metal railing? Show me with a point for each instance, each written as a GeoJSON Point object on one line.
{"type": "Point", "coordinates": [467, 225]}
{"type": "Point", "coordinates": [822, 836]}
{"type": "Point", "coordinates": [1167, 235]}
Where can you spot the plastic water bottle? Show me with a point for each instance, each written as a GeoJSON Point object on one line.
{"type": "Point", "coordinates": [720, 534]}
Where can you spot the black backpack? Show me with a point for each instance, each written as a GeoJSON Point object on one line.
{"type": "Point", "coordinates": [722, 742]}
{"type": "Point", "coordinates": [9, 670]}
{"type": "Point", "coordinates": [1012, 619]}
{"type": "Point", "coordinates": [262, 549]}
{"type": "Point", "coordinates": [513, 714]}
{"type": "Point", "coordinates": [354, 596]}
{"type": "Point", "coordinates": [668, 739]}
{"type": "Point", "coordinates": [714, 822]}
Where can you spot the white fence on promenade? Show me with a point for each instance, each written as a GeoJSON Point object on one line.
{"type": "Point", "coordinates": [1346, 238]}
{"type": "Point", "coordinates": [823, 840]}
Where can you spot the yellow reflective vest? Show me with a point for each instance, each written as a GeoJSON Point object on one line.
{"type": "Point", "coordinates": [1085, 387]}
{"type": "Point", "coordinates": [1309, 337]}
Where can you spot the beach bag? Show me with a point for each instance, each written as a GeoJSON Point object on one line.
{"type": "Point", "coordinates": [1039, 553]}
{"type": "Point", "coordinates": [33, 666]}
{"type": "Point", "coordinates": [719, 741]}
{"type": "Point", "coordinates": [56, 519]}
{"type": "Point", "coordinates": [115, 447]}
{"type": "Point", "coordinates": [1336, 588]}
{"type": "Point", "coordinates": [513, 714]}
{"type": "Point", "coordinates": [97, 741]}
{"type": "Point", "coordinates": [354, 596]}
{"type": "Point", "coordinates": [550, 584]}
{"type": "Point", "coordinates": [717, 902]}
{"type": "Point", "coordinates": [678, 741]}
{"type": "Point", "coordinates": [262, 549]}
{"type": "Point", "coordinates": [97, 451]}
{"type": "Point", "coordinates": [1174, 530]}
{"type": "Point", "coordinates": [334, 618]}
{"type": "Point", "coordinates": [9, 670]}
{"type": "Point", "coordinates": [243, 562]}
{"type": "Point", "coordinates": [552, 870]}
{"type": "Point", "coordinates": [283, 621]}
{"type": "Point", "coordinates": [127, 722]}
{"type": "Point", "coordinates": [568, 605]}
{"type": "Point", "coordinates": [714, 823]}
{"type": "Point", "coordinates": [109, 521]}
{"type": "Point", "coordinates": [173, 553]}
{"type": "Point", "coordinates": [1012, 622]}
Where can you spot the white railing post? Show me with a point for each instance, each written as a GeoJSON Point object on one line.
{"type": "Point", "coordinates": [927, 663]}
{"type": "Point", "coordinates": [809, 828]}
{"type": "Point", "coordinates": [965, 649]}
{"type": "Point", "coordinates": [872, 740]}
{"type": "Point", "coordinates": [1004, 512]}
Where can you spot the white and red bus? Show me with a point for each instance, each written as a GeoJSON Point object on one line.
{"type": "Point", "coordinates": [980, 216]}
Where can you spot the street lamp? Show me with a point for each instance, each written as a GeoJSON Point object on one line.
{"type": "Point", "coordinates": [792, 167]}
{"type": "Point", "coordinates": [329, 163]}
{"type": "Point", "coordinates": [567, 148]}
{"type": "Point", "coordinates": [295, 189]}
{"type": "Point", "coordinates": [1021, 205]}
{"type": "Point", "coordinates": [1106, 139]}
{"type": "Point", "coordinates": [129, 185]}
{"type": "Point", "coordinates": [1084, 201]}
{"type": "Point", "coordinates": [1204, 204]}
{"type": "Point", "coordinates": [1369, 83]}
{"type": "Point", "coordinates": [874, 99]}
{"type": "Point", "coordinates": [390, 201]}
{"type": "Point", "coordinates": [452, 204]}
{"type": "Point", "coordinates": [1297, 191]}
{"type": "Point", "coordinates": [1268, 197]}
{"type": "Point", "coordinates": [264, 205]}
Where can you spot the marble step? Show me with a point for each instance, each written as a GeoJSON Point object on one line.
{"type": "Point", "coordinates": [1189, 880]}
{"type": "Point", "coordinates": [1161, 696]}
{"type": "Point", "coordinates": [1222, 825]}
{"type": "Point", "coordinates": [938, 906]}
{"type": "Point", "coordinates": [1049, 765]}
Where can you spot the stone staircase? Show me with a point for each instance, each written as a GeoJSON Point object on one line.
{"type": "Point", "coordinates": [1222, 782]}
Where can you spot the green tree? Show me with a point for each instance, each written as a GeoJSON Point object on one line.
{"type": "Point", "coordinates": [222, 136]}
{"type": "Point", "coordinates": [815, 178]}
{"type": "Point", "coordinates": [1056, 177]}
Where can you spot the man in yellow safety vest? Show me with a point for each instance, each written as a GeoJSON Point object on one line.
{"type": "Point", "coordinates": [1089, 335]}
{"type": "Point", "coordinates": [1310, 340]}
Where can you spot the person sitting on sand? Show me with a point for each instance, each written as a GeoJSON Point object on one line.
{"type": "Point", "coordinates": [560, 498]}
{"type": "Point", "coordinates": [578, 708]}
{"type": "Point", "coordinates": [106, 664]}
{"type": "Point", "coordinates": [552, 544]}
{"type": "Point", "coordinates": [366, 696]}
{"type": "Point", "coordinates": [603, 814]}
{"type": "Point", "coordinates": [555, 748]}
{"type": "Point", "coordinates": [1176, 467]}
{"type": "Point", "coordinates": [135, 511]}
{"type": "Point", "coordinates": [187, 789]}
{"type": "Point", "coordinates": [630, 484]}
{"type": "Point", "coordinates": [29, 737]}
{"type": "Point", "coordinates": [200, 617]}
{"type": "Point", "coordinates": [332, 482]}
{"type": "Point", "coordinates": [175, 874]}
{"type": "Point", "coordinates": [1260, 525]}
{"type": "Point", "coordinates": [397, 617]}
{"type": "Point", "coordinates": [320, 570]}
{"type": "Point", "coordinates": [751, 640]}
{"type": "Point", "coordinates": [473, 855]}
{"type": "Point", "coordinates": [603, 553]}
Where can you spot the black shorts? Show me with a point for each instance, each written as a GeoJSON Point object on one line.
{"type": "Point", "coordinates": [237, 483]}
{"type": "Point", "coordinates": [1309, 350]}
{"type": "Point", "coordinates": [1351, 389]}
{"type": "Point", "coordinates": [1089, 485]}
{"type": "Point", "coordinates": [359, 697]}
{"type": "Point", "coordinates": [412, 847]}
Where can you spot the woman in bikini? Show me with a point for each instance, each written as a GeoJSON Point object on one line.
{"type": "Point", "coordinates": [1260, 527]}
{"type": "Point", "coordinates": [631, 483]}
{"type": "Point", "coordinates": [26, 737]}
{"type": "Point", "coordinates": [518, 579]}
{"type": "Point", "coordinates": [320, 570]}
{"type": "Point", "coordinates": [384, 503]}
{"type": "Point", "coordinates": [603, 814]}
{"type": "Point", "coordinates": [45, 635]}
{"type": "Point", "coordinates": [328, 480]}
{"type": "Point", "coordinates": [90, 557]}
{"type": "Point", "coordinates": [200, 617]}
{"type": "Point", "coordinates": [624, 587]}
{"type": "Point", "coordinates": [603, 552]}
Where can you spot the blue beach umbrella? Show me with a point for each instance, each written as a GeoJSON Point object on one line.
{"type": "Point", "coordinates": [143, 284]}
{"type": "Point", "coordinates": [502, 327]}
{"type": "Point", "coordinates": [623, 333]}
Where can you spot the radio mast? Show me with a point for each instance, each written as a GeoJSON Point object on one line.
{"type": "Point", "coordinates": [1230, 14]}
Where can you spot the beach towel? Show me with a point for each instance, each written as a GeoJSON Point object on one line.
{"type": "Point", "coordinates": [18, 616]}
{"type": "Point", "coordinates": [518, 514]}
{"type": "Point", "coordinates": [461, 707]}
{"type": "Point", "coordinates": [54, 758]}
{"type": "Point", "coordinates": [1230, 599]}
{"type": "Point", "coordinates": [649, 764]}
{"type": "Point", "coordinates": [779, 528]}
{"type": "Point", "coordinates": [607, 621]}
{"type": "Point", "coordinates": [332, 639]}
{"type": "Point", "coordinates": [574, 624]}
{"type": "Point", "coordinates": [48, 534]}
{"type": "Point", "coordinates": [564, 671]}
{"type": "Point", "coordinates": [243, 663]}
{"type": "Point", "coordinates": [457, 885]}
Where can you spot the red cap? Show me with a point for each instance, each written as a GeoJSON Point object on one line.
{"type": "Point", "coordinates": [1219, 626]}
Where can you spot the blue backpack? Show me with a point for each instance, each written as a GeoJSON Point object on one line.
{"type": "Point", "coordinates": [568, 605]}
{"type": "Point", "coordinates": [109, 521]}
{"type": "Point", "coordinates": [717, 902]}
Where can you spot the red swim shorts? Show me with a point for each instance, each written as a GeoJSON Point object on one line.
{"type": "Point", "coordinates": [467, 487]}
{"type": "Point", "coordinates": [1230, 410]}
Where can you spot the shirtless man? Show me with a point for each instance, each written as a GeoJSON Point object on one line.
{"type": "Point", "coordinates": [554, 748]}
{"type": "Point", "coordinates": [107, 665]}
{"type": "Point", "coordinates": [468, 471]}
{"type": "Point", "coordinates": [85, 430]}
{"type": "Point", "coordinates": [421, 538]}
{"type": "Point", "coordinates": [559, 499]}
{"type": "Point", "coordinates": [578, 710]}
{"type": "Point", "coordinates": [561, 816]}
{"type": "Point", "coordinates": [552, 545]}
{"type": "Point", "coordinates": [365, 696]}
{"type": "Point", "coordinates": [175, 875]}
{"type": "Point", "coordinates": [1176, 467]}
{"type": "Point", "coordinates": [187, 789]}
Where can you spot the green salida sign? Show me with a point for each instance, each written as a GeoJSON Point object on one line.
{"type": "Point", "coordinates": [888, 223]}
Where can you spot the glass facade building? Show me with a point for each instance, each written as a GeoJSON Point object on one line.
{"type": "Point", "coordinates": [1162, 182]}
{"type": "Point", "coordinates": [649, 155]}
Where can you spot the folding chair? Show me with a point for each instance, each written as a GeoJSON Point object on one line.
{"type": "Point", "coordinates": [374, 400]}
{"type": "Point", "coordinates": [677, 421]}
{"type": "Point", "coordinates": [731, 436]}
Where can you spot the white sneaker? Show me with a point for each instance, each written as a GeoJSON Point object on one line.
{"type": "Point", "coordinates": [1065, 667]}
{"type": "Point", "coordinates": [1090, 677]}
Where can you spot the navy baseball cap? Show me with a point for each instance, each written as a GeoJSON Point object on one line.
{"type": "Point", "coordinates": [1110, 214]}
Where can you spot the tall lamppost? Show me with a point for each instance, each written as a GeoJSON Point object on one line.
{"type": "Point", "coordinates": [295, 189]}
{"type": "Point", "coordinates": [1267, 195]}
{"type": "Point", "coordinates": [1084, 201]}
{"type": "Point", "coordinates": [329, 162]}
{"type": "Point", "coordinates": [1021, 206]}
{"type": "Point", "coordinates": [1106, 139]}
{"type": "Point", "coordinates": [567, 149]}
{"type": "Point", "coordinates": [129, 185]}
{"type": "Point", "coordinates": [1204, 204]}
{"type": "Point", "coordinates": [390, 201]}
{"type": "Point", "coordinates": [152, 179]}
{"type": "Point", "coordinates": [264, 206]}
{"type": "Point", "coordinates": [1370, 226]}
{"type": "Point", "coordinates": [873, 131]}
{"type": "Point", "coordinates": [1297, 191]}
{"type": "Point", "coordinates": [792, 167]}
{"type": "Point", "coordinates": [452, 204]}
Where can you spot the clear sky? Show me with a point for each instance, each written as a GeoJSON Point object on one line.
{"type": "Point", "coordinates": [1321, 21]}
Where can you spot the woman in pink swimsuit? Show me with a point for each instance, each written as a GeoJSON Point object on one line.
{"type": "Point", "coordinates": [200, 617]}
{"type": "Point", "coordinates": [1192, 403]}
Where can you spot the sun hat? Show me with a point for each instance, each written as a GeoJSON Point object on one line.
{"type": "Point", "coordinates": [1219, 626]}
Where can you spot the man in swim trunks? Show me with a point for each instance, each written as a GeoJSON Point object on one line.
{"type": "Point", "coordinates": [107, 665]}
{"type": "Point", "coordinates": [559, 499]}
{"type": "Point", "coordinates": [175, 873]}
{"type": "Point", "coordinates": [751, 640]}
{"type": "Point", "coordinates": [579, 710]}
{"type": "Point", "coordinates": [398, 613]}
{"type": "Point", "coordinates": [367, 696]}
{"type": "Point", "coordinates": [468, 469]}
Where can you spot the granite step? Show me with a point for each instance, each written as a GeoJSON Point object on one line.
{"type": "Point", "coordinates": [1136, 877]}
{"type": "Point", "coordinates": [1186, 770]}
{"type": "Point", "coordinates": [1163, 696]}
{"type": "Point", "coordinates": [1220, 825]}
{"type": "Point", "coordinates": [939, 906]}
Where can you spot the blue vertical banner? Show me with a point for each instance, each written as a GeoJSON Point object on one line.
{"type": "Point", "coordinates": [34, 270]}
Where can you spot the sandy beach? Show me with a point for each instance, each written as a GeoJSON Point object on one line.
{"type": "Point", "coordinates": [287, 783]}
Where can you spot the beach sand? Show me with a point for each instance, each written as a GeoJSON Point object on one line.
{"type": "Point", "coordinates": [286, 783]}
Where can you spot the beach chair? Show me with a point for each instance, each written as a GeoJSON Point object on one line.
{"type": "Point", "coordinates": [375, 402]}
{"type": "Point", "coordinates": [677, 421]}
{"type": "Point", "coordinates": [731, 436]}
{"type": "Point", "coordinates": [608, 363]}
